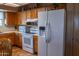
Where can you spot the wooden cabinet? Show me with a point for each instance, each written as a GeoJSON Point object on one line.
{"type": "Point", "coordinates": [15, 18]}
{"type": "Point", "coordinates": [18, 40]}
{"type": "Point", "coordinates": [8, 36]}
{"type": "Point", "coordinates": [41, 9]}
{"type": "Point", "coordinates": [35, 44]}
{"type": "Point", "coordinates": [34, 13]}
{"type": "Point", "coordinates": [11, 37]}
{"type": "Point", "coordinates": [21, 17]}
{"type": "Point", "coordinates": [28, 14]}
{"type": "Point", "coordinates": [31, 14]}
{"type": "Point", "coordinates": [10, 18]}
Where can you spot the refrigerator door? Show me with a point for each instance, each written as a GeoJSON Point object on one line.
{"type": "Point", "coordinates": [42, 17]}
{"type": "Point", "coordinates": [55, 47]}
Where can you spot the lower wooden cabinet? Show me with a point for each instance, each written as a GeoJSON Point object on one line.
{"type": "Point", "coordinates": [11, 37]}
{"type": "Point", "coordinates": [35, 44]}
{"type": "Point", "coordinates": [16, 38]}
{"type": "Point", "coordinates": [8, 36]}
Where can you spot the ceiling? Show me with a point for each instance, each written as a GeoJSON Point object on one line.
{"type": "Point", "coordinates": [13, 4]}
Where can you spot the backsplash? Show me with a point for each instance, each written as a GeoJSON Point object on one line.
{"type": "Point", "coordinates": [4, 29]}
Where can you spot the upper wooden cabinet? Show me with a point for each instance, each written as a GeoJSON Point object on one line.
{"type": "Point", "coordinates": [34, 13]}
{"type": "Point", "coordinates": [41, 9]}
{"type": "Point", "coordinates": [31, 14]}
{"type": "Point", "coordinates": [28, 14]}
{"type": "Point", "coordinates": [10, 18]}
{"type": "Point", "coordinates": [21, 16]}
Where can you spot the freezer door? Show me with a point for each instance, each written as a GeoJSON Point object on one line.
{"type": "Point", "coordinates": [42, 17]}
{"type": "Point", "coordinates": [55, 46]}
{"type": "Point", "coordinates": [41, 46]}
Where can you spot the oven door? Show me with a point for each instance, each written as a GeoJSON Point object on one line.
{"type": "Point", "coordinates": [28, 40]}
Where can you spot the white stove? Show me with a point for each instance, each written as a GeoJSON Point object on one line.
{"type": "Point", "coordinates": [27, 38]}
{"type": "Point", "coordinates": [27, 42]}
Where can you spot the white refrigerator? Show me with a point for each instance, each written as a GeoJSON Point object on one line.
{"type": "Point", "coordinates": [51, 32]}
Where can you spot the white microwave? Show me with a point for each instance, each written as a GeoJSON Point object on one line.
{"type": "Point", "coordinates": [32, 23]}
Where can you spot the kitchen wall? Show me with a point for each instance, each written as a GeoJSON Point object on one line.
{"type": "Point", "coordinates": [5, 28]}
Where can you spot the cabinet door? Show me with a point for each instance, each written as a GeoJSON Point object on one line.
{"type": "Point", "coordinates": [76, 31]}
{"type": "Point", "coordinates": [18, 40]}
{"type": "Point", "coordinates": [18, 18]}
{"type": "Point", "coordinates": [21, 17]}
{"type": "Point", "coordinates": [28, 14]}
{"type": "Point", "coordinates": [11, 37]}
{"type": "Point", "coordinates": [34, 13]}
{"type": "Point", "coordinates": [31, 14]}
{"type": "Point", "coordinates": [10, 20]}
{"type": "Point", "coordinates": [35, 44]}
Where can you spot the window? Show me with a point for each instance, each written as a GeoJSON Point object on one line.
{"type": "Point", "coordinates": [1, 18]}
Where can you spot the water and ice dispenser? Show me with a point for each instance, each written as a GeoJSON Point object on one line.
{"type": "Point", "coordinates": [42, 30]}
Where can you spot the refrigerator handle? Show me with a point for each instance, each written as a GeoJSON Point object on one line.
{"type": "Point", "coordinates": [48, 34]}
{"type": "Point", "coordinates": [48, 30]}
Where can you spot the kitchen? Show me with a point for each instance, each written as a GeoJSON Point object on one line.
{"type": "Point", "coordinates": [39, 29]}
{"type": "Point", "coordinates": [23, 26]}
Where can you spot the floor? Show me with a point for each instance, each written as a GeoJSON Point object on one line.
{"type": "Point", "coordinates": [19, 52]}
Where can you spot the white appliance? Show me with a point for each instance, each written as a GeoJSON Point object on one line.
{"type": "Point", "coordinates": [32, 22]}
{"type": "Point", "coordinates": [34, 30]}
{"type": "Point", "coordinates": [27, 39]}
{"type": "Point", "coordinates": [51, 33]}
{"type": "Point", "coordinates": [28, 42]}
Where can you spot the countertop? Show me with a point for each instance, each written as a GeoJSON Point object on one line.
{"type": "Point", "coordinates": [16, 32]}
{"type": "Point", "coordinates": [10, 32]}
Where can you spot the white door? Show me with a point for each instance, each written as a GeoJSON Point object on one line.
{"type": "Point", "coordinates": [56, 44]}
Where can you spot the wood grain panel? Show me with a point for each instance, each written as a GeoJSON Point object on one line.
{"type": "Point", "coordinates": [34, 13]}
{"type": "Point", "coordinates": [69, 30]}
{"type": "Point", "coordinates": [16, 39]}
{"type": "Point", "coordinates": [10, 18]}
{"type": "Point", "coordinates": [35, 44]}
{"type": "Point", "coordinates": [76, 31]}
